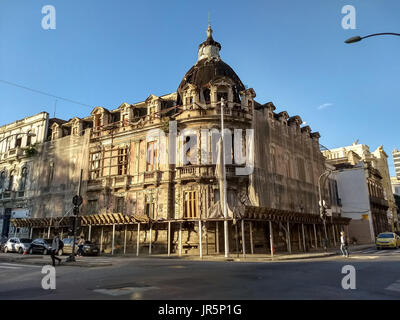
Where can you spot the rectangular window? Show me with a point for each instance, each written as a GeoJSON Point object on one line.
{"type": "Point", "coordinates": [18, 142]}
{"type": "Point", "coordinates": [150, 206]}
{"type": "Point", "coordinates": [92, 206]}
{"type": "Point", "coordinates": [122, 161]}
{"type": "Point", "coordinates": [190, 203]}
{"type": "Point", "coordinates": [119, 205]}
{"type": "Point", "coordinates": [95, 165]}
{"type": "Point", "coordinates": [151, 156]}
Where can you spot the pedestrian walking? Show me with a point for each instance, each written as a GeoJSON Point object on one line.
{"type": "Point", "coordinates": [55, 245]}
{"type": "Point", "coordinates": [81, 243]}
{"type": "Point", "coordinates": [344, 244]}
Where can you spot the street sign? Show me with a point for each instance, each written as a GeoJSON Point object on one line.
{"type": "Point", "coordinates": [77, 200]}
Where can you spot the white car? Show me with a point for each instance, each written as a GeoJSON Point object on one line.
{"type": "Point", "coordinates": [17, 245]}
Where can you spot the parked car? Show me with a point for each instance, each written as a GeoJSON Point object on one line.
{"type": "Point", "coordinates": [89, 248]}
{"type": "Point", "coordinates": [17, 245]}
{"type": "Point", "coordinates": [42, 246]}
{"type": "Point", "coordinates": [387, 240]}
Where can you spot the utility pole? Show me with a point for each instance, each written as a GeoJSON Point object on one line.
{"type": "Point", "coordinates": [77, 201]}
{"type": "Point", "coordinates": [224, 201]}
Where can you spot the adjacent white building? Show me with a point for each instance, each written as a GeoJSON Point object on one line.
{"type": "Point", "coordinates": [18, 142]}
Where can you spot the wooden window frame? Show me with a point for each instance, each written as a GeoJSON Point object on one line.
{"type": "Point", "coordinates": [190, 208]}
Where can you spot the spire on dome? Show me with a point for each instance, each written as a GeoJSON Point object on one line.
{"type": "Point", "coordinates": [209, 48]}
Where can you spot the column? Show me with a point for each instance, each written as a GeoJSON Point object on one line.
{"type": "Point", "coordinates": [138, 240]}
{"type": "Point", "coordinates": [200, 236]}
{"type": "Point", "coordinates": [251, 238]}
{"type": "Point", "coordinates": [169, 238]}
{"type": "Point", "coordinates": [113, 238]}
{"type": "Point", "coordinates": [243, 241]}
{"type": "Point", "coordinates": [271, 238]}
{"type": "Point", "coordinates": [289, 245]}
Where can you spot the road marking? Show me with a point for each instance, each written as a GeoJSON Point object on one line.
{"type": "Point", "coordinates": [20, 265]}
{"type": "Point", "coordinates": [363, 257]}
{"type": "Point", "coordinates": [395, 286]}
{"type": "Point", "coordinates": [8, 267]}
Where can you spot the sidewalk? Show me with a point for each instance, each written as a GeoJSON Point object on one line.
{"type": "Point", "coordinates": [46, 260]}
{"type": "Point", "coordinates": [107, 259]}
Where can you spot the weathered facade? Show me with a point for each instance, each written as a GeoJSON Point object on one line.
{"type": "Point", "coordinates": [150, 180]}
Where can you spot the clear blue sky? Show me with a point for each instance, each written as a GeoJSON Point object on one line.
{"type": "Point", "coordinates": [291, 52]}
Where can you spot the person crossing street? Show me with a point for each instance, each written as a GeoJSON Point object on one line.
{"type": "Point", "coordinates": [55, 245]}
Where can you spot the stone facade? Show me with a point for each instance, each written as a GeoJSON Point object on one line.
{"type": "Point", "coordinates": [137, 173]}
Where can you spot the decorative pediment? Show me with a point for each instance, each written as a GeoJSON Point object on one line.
{"type": "Point", "coordinates": [99, 110]}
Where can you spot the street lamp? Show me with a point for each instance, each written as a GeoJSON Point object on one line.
{"type": "Point", "coordinates": [322, 207]}
{"type": "Point", "coordinates": [358, 38]}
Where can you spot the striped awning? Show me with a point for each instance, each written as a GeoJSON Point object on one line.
{"type": "Point", "coordinates": [277, 215]}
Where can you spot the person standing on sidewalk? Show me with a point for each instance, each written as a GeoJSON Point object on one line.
{"type": "Point", "coordinates": [344, 244]}
{"type": "Point", "coordinates": [55, 245]}
{"type": "Point", "coordinates": [81, 243]}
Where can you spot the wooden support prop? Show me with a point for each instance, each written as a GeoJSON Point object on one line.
{"type": "Point", "coordinates": [138, 240]}
{"type": "Point", "coordinates": [288, 238]}
{"type": "Point", "coordinates": [200, 239]}
{"type": "Point", "coordinates": [315, 237]}
{"type": "Point", "coordinates": [206, 230]}
{"type": "Point", "coordinates": [299, 233]}
{"type": "Point", "coordinates": [334, 236]}
{"type": "Point", "coordinates": [217, 236]}
{"type": "Point", "coordinates": [101, 240]}
{"type": "Point", "coordinates": [169, 238]}
{"type": "Point", "coordinates": [31, 232]}
{"type": "Point", "coordinates": [90, 232]}
{"type": "Point", "coordinates": [251, 238]}
{"type": "Point", "coordinates": [304, 238]}
{"type": "Point", "coordinates": [243, 241]}
{"type": "Point", "coordinates": [237, 239]}
{"type": "Point", "coordinates": [271, 238]}
{"type": "Point", "coordinates": [180, 238]}
{"type": "Point", "coordinates": [150, 239]}
{"type": "Point", "coordinates": [126, 227]}
{"type": "Point", "coordinates": [113, 239]}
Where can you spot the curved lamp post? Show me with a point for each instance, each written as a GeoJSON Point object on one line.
{"type": "Point", "coordinates": [29, 134]}
{"type": "Point", "coordinates": [358, 38]}
{"type": "Point", "coordinates": [321, 182]}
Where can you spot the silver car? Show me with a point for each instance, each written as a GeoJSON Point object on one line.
{"type": "Point", "coordinates": [17, 245]}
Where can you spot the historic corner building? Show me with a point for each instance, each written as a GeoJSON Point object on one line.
{"type": "Point", "coordinates": [134, 202]}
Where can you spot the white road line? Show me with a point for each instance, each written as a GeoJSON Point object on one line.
{"type": "Point", "coordinates": [8, 267]}
{"type": "Point", "coordinates": [395, 286]}
{"type": "Point", "coordinates": [20, 265]}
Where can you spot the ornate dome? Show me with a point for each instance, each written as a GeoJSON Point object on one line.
{"type": "Point", "coordinates": [209, 67]}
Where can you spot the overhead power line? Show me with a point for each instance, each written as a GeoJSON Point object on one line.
{"type": "Point", "coordinates": [44, 93]}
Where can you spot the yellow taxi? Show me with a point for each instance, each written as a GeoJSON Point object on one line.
{"type": "Point", "coordinates": [387, 240]}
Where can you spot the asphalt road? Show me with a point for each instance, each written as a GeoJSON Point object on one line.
{"type": "Point", "coordinates": [377, 277]}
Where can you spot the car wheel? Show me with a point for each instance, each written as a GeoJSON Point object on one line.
{"type": "Point", "coordinates": [30, 251]}
{"type": "Point", "coordinates": [20, 250]}
{"type": "Point", "coordinates": [5, 249]}
{"type": "Point", "coordinates": [377, 248]}
{"type": "Point", "coordinates": [60, 252]}
{"type": "Point", "coordinates": [45, 251]}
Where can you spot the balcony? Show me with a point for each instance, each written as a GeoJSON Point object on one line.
{"type": "Point", "coordinates": [203, 172]}
{"type": "Point", "coordinates": [12, 154]}
{"type": "Point", "coordinates": [152, 177]}
{"type": "Point", "coordinates": [379, 202]}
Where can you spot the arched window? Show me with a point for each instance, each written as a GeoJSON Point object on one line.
{"type": "Point", "coordinates": [11, 180]}
{"type": "Point", "coordinates": [2, 179]}
{"type": "Point", "coordinates": [24, 174]}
